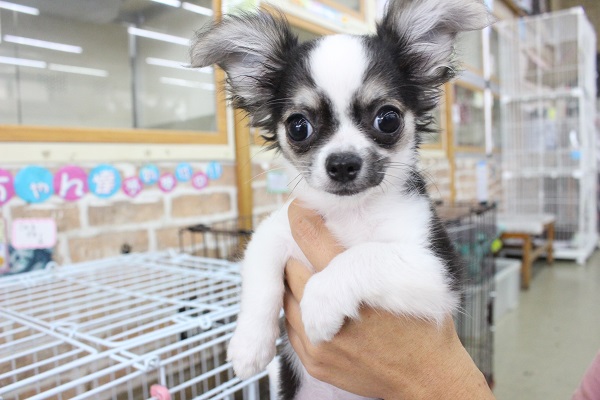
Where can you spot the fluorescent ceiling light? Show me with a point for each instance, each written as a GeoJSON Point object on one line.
{"type": "Point", "coordinates": [158, 36]}
{"type": "Point", "coordinates": [23, 62]}
{"type": "Point", "coordinates": [78, 70]}
{"type": "Point", "coordinates": [186, 83]}
{"type": "Point", "coordinates": [19, 8]}
{"type": "Point", "coordinates": [172, 3]}
{"type": "Point", "coordinates": [44, 44]}
{"type": "Point", "coordinates": [197, 9]}
{"type": "Point", "coordinates": [161, 62]}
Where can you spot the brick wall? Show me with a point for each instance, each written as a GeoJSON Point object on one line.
{"type": "Point", "coordinates": [466, 178]}
{"type": "Point", "coordinates": [93, 228]}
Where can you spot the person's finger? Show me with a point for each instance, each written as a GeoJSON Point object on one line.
{"type": "Point", "coordinates": [310, 233]}
{"type": "Point", "coordinates": [296, 275]}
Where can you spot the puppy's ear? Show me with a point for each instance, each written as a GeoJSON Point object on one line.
{"type": "Point", "coordinates": [252, 49]}
{"type": "Point", "coordinates": [423, 32]}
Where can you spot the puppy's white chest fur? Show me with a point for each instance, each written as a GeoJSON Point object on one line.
{"type": "Point", "coordinates": [384, 220]}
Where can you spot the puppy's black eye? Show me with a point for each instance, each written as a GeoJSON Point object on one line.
{"type": "Point", "coordinates": [298, 128]}
{"type": "Point", "coordinates": [388, 120]}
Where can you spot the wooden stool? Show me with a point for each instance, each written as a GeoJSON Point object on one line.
{"type": "Point", "coordinates": [524, 227]}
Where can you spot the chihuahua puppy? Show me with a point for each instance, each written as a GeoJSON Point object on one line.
{"type": "Point", "coordinates": [346, 112]}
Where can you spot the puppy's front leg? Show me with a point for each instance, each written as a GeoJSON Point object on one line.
{"type": "Point", "coordinates": [253, 344]}
{"type": "Point", "coordinates": [398, 278]}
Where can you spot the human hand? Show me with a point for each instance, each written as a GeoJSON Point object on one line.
{"type": "Point", "coordinates": [380, 355]}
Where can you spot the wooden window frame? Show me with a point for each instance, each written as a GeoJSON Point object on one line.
{"type": "Point", "coordinates": [57, 134]}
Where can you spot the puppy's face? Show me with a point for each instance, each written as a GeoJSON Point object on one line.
{"type": "Point", "coordinates": [346, 111]}
{"type": "Point", "coordinates": [342, 121]}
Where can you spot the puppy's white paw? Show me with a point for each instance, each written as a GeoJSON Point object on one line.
{"type": "Point", "coordinates": [250, 352]}
{"type": "Point", "coordinates": [323, 313]}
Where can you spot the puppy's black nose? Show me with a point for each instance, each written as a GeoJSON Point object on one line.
{"type": "Point", "coordinates": [343, 167]}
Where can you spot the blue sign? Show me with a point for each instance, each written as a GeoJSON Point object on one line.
{"type": "Point", "coordinates": [149, 174]}
{"type": "Point", "coordinates": [184, 172]}
{"type": "Point", "coordinates": [104, 181]}
{"type": "Point", "coordinates": [214, 170]}
{"type": "Point", "coordinates": [34, 184]}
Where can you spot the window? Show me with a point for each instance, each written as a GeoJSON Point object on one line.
{"type": "Point", "coordinates": [113, 65]}
{"type": "Point", "coordinates": [468, 116]}
{"type": "Point", "coordinates": [470, 50]}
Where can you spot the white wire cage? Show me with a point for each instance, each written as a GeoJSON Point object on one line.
{"type": "Point", "coordinates": [131, 327]}
{"type": "Point", "coordinates": [548, 83]}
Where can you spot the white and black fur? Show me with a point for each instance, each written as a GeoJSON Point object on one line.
{"type": "Point", "coordinates": [365, 100]}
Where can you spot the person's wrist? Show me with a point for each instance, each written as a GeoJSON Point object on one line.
{"type": "Point", "coordinates": [464, 381]}
{"type": "Point", "coordinates": [447, 373]}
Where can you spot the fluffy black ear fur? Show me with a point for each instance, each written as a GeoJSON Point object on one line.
{"type": "Point", "coordinates": [253, 50]}
{"type": "Point", "coordinates": [422, 33]}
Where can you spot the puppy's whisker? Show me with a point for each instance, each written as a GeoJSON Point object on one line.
{"type": "Point", "coordinates": [264, 173]}
{"type": "Point", "coordinates": [292, 191]}
{"type": "Point", "coordinates": [297, 176]}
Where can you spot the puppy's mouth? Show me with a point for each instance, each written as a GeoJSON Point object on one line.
{"type": "Point", "coordinates": [354, 188]}
{"type": "Point", "coordinates": [345, 192]}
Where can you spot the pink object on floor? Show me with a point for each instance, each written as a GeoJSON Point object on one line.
{"type": "Point", "coordinates": [160, 392]}
{"type": "Point", "coordinates": [589, 389]}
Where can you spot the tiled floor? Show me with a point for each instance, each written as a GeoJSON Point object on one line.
{"type": "Point", "coordinates": [544, 347]}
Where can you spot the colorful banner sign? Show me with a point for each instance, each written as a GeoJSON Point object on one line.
{"type": "Point", "coordinates": [200, 180]}
{"type": "Point", "coordinates": [7, 186]}
{"type": "Point", "coordinates": [167, 182]}
{"type": "Point", "coordinates": [104, 181]}
{"type": "Point", "coordinates": [149, 174]}
{"type": "Point", "coordinates": [70, 183]}
{"type": "Point", "coordinates": [132, 186]}
{"type": "Point", "coordinates": [184, 172]}
{"type": "Point", "coordinates": [34, 184]}
{"type": "Point", "coordinates": [214, 170]}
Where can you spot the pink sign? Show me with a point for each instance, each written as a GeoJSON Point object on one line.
{"type": "Point", "coordinates": [7, 187]}
{"type": "Point", "coordinates": [199, 180]}
{"type": "Point", "coordinates": [70, 183]}
{"type": "Point", "coordinates": [132, 186]}
{"type": "Point", "coordinates": [167, 182]}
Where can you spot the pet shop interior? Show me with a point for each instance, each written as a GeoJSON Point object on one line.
{"type": "Point", "coordinates": [129, 187]}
